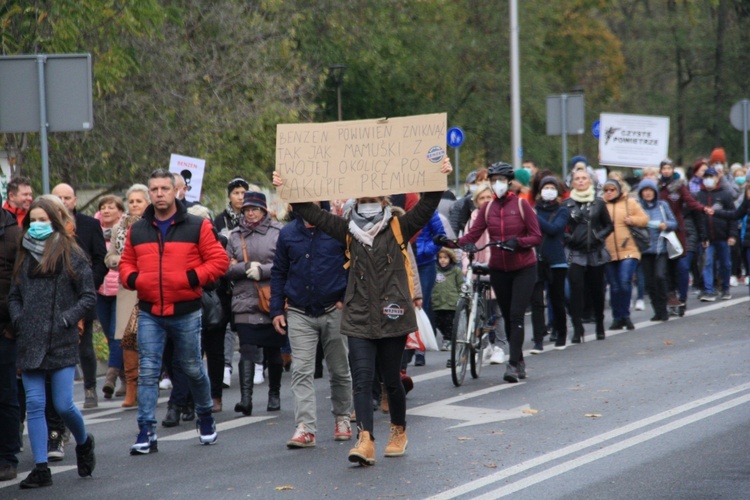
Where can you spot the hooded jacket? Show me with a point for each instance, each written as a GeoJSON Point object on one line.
{"type": "Point", "coordinates": [620, 243]}
{"type": "Point", "coordinates": [675, 192]}
{"type": "Point", "coordinates": [658, 211]}
{"type": "Point", "coordinates": [712, 228]}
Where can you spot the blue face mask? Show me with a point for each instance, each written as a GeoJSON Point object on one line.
{"type": "Point", "coordinates": [740, 180]}
{"type": "Point", "coordinates": [40, 230]}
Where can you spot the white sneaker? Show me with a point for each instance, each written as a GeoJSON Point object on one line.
{"type": "Point", "coordinates": [227, 382]}
{"type": "Point", "coordinates": [498, 356]}
{"type": "Point", "coordinates": [165, 384]}
{"type": "Point", "coordinates": [639, 305]}
{"type": "Point", "coordinates": [487, 353]}
{"type": "Point", "coordinates": [258, 379]}
{"type": "Point", "coordinates": [733, 281]}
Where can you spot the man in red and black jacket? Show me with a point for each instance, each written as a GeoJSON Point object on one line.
{"type": "Point", "coordinates": [169, 256]}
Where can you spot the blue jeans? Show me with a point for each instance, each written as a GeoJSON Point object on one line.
{"type": "Point", "coordinates": [620, 278]}
{"type": "Point", "coordinates": [683, 275]}
{"type": "Point", "coordinates": [62, 400]}
{"type": "Point", "coordinates": [718, 250]}
{"type": "Point", "coordinates": [427, 275]}
{"type": "Point", "coordinates": [641, 282]}
{"type": "Point", "coordinates": [106, 311]}
{"type": "Point", "coordinates": [10, 413]}
{"type": "Point", "coordinates": [185, 331]}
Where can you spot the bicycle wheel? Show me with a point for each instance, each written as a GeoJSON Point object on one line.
{"type": "Point", "coordinates": [460, 349]}
{"type": "Point", "coordinates": [477, 349]}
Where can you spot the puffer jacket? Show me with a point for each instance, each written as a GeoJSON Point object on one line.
{"type": "Point", "coordinates": [675, 192]}
{"type": "Point", "coordinates": [588, 226]}
{"type": "Point", "coordinates": [503, 220]}
{"type": "Point", "coordinates": [657, 213]}
{"type": "Point", "coordinates": [552, 218]}
{"type": "Point", "coordinates": [169, 273]}
{"type": "Point", "coordinates": [45, 310]}
{"type": "Point", "coordinates": [378, 302]}
{"type": "Point", "coordinates": [427, 249]}
{"type": "Point", "coordinates": [261, 247]}
{"type": "Point", "coordinates": [620, 243]}
{"type": "Point", "coordinates": [716, 228]}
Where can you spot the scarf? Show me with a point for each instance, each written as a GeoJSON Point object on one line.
{"type": "Point", "coordinates": [107, 233]}
{"type": "Point", "coordinates": [252, 226]}
{"type": "Point", "coordinates": [583, 196]}
{"type": "Point", "coordinates": [36, 247]}
{"type": "Point", "coordinates": [364, 229]}
{"type": "Point", "coordinates": [234, 217]}
{"type": "Point", "coordinates": [447, 268]}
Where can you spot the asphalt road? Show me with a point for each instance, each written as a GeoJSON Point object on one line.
{"type": "Point", "coordinates": [659, 412]}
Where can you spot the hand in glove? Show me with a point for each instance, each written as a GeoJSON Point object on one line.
{"type": "Point", "coordinates": [253, 271]}
{"type": "Point", "coordinates": [443, 241]}
{"type": "Point", "coordinates": [511, 244]}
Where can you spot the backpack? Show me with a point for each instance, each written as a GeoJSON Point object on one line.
{"type": "Point", "coordinates": [396, 228]}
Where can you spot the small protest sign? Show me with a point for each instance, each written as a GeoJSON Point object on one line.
{"type": "Point", "coordinates": [192, 170]}
{"type": "Point", "coordinates": [354, 159]}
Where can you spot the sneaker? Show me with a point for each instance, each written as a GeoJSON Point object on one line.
{"type": "Point", "coordinates": [560, 347]}
{"type": "Point", "coordinates": [522, 369]}
{"type": "Point", "coordinates": [165, 384]}
{"type": "Point", "coordinates": [726, 295]}
{"type": "Point", "coordinates": [419, 359]}
{"type": "Point", "coordinates": [446, 345]}
{"type": "Point", "coordinates": [708, 297]}
{"type": "Point", "coordinates": [733, 281]}
{"type": "Point", "coordinates": [206, 429]}
{"type": "Point", "coordinates": [448, 364]}
{"type": "Point", "coordinates": [145, 443]}
{"type": "Point", "coordinates": [498, 356]}
{"type": "Point", "coordinates": [37, 478]}
{"type": "Point", "coordinates": [55, 448]}
{"type": "Point", "coordinates": [538, 348]}
{"type": "Point", "coordinates": [302, 439]}
{"type": "Point", "coordinates": [258, 378]}
{"type": "Point", "coordinates": [90, 400]}
{"type": "Point", "coordinates": [617, 324]}
{"type": "Point", "coordinates": [8, 472]}
{"type": "Point", "coordinates": [511, 374]}
{"type": "Point", "coordinates": [226, 382]}
{"type": "Point", "coordinates": [85, 457]}
{"type": "Point", "coordinates": [343, 430]}
{"type": "Point", "coordinates": [639, 305]}
{"type": "Point", "coordinates": [486, 354]}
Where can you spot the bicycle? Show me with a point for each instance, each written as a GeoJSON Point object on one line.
{"type": "Point", "coordinates": [472, 325]}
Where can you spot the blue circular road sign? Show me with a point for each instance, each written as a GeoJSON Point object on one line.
{"type": "Point", "coordinates": [595, 128]}
{"type": "Point", "coordinates": [455, 137]}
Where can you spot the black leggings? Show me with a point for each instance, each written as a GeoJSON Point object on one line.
{"type": "Point", "coordinates": [212, 342]}
{"type": "Point", "coordinates": [513, 291]}
{"type": "Point", "coordinates": [87, 355]}
{"type": "Point", "coordinates": [362, 359]}
{"type": "Point", "coordinates": [555, 278]}
{"type": "Point", "coordinates": [655, 271]}
{"type": "Point", "coordinates": [586, 281]}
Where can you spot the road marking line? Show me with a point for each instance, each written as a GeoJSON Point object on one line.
{"type": "Point", "coordinates": [22, 475]}
{"type": "Point", "coordinates": [114, 405]}
{"type": "Point", "coordinates": [224, 426]}
{"type": "Point", "coordinates": [587, 443]}
{"type": "Point", "coordinates": [612, 449]}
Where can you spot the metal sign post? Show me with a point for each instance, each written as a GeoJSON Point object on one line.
{"type": "Point", "coordinates": [40, 62]}
{"type": "Point", "coordinates": [739, 116]}
{"type": "Point", "coordinates": [455, 139]}
{"type": "Point", "coordinates": [565, 115]}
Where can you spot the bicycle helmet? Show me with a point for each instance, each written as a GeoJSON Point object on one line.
{"type": "Point", "coordinates": [501, 168]}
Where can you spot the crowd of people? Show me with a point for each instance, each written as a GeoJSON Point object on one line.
{"type": "Point", "coordinates": [337, 282]}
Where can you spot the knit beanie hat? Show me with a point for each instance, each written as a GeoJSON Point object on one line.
{"type": "Point", "coordinates": [523, 176]}
{"type": "Point", "coordinates": [616, 184]}
{"type": "Point", "coordinates": [549, 180]}
{"type": "Point", "coordinates": [718, 155]}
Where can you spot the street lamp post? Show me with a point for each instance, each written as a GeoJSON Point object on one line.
{"type": "Point", "coordinates": [337, 73]}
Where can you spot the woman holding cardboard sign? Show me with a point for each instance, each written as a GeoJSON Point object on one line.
{"type": "Point", "coordinates": [251, 247]}
{"type": "Point", "coordinates": [378, 310]}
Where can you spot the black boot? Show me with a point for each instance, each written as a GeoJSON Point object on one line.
{"type": "Point", "coordinates": [247, 371]}
{"type": "Point", "coordinates": [188, 411]}
{"type": "Point", "coordinates": [577, 333]}
{"type": "Point", "coordinates": [600, 329]}
{"type": "Point", "coordinates": [85, 457]}
{"type": "Point", "coordinates": [274, 387]}
{"type": "Point", "coordinates": [173, 416]}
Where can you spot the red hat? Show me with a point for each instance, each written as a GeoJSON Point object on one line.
{"type": "Point", "coordinates": [718, 155]}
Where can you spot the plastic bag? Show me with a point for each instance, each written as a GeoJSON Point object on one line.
{"type": "Point", "coordinates": [426, 332]}
{"type": "Point", "coordinates": [674, 247]}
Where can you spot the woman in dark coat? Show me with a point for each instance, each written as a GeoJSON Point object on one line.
{"type": "Point", "coordinates": [52, 290]}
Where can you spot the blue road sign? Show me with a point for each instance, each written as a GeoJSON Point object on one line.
{"type": "Point", "coordinates": [455, 137]}
{"type": "Point", "coordinates": [595, 128]}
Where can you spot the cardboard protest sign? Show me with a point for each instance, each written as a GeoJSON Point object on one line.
{"type": "Point", "coordinates": [192, 170]}
{"type": "Point", "coordinates": [354, 159]}
{"type": "Point", "coordinates": [634, 141]}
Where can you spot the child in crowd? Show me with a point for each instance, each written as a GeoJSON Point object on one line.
{"type": "Point", "coordinates": [446, 293]}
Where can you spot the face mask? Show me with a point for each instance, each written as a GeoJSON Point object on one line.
{"type": "Point", "coordinates": [369, 209]}
{"type": "Point", "coordinates": [500, 188]}
{"type": "Point", "coordinates": [709, 182]}
{"type": "Point", "coordinates": [549, 194]}
{"type": "Point", "coordinates": [740, 180]}
{"type": "Point", "coordinates": [40, 230]}
{"type": "Point", "coordinates": [473, 188]}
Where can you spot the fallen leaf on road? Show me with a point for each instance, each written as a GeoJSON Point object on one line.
{"type": "Point", "coordinates": [593, 415]}
{"type": "Point", "coordinates": [530, 411]}
{"type": "Point", "coordinates": [465, 439]}
{"type": "Point", "coordinates": [283, 488]}
{"type": "Point", "coordinates": [668, 342]}
{"type": "Point", "coordinates": [491, 466]}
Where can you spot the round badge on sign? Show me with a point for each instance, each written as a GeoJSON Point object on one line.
{"type": "Point", "coordinates": [435, 154]}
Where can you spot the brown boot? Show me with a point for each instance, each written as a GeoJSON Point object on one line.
{"type": "Point", "coordinates": [120, 392]}
{"type": "Point", "coordinates": [364, 451]}
{"type": "Point", "coordinates": [384, 406]}
{"type": "Point", "coordinates": [130, 360]}
{"type": "Point", "coordinates": [217, 405]}
{"type": "Point", "coordinates": [109, 382]}
{"type": "Point", "coordinates": [396, 446]}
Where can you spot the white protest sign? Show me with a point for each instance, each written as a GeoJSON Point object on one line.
{"type": "Point", "coordinates": [354, 159]}
{"type": "Point", "coordinates": [192, 170]}
{"type": "Point", "coordinates": [634, 141]}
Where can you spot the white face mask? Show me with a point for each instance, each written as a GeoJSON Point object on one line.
{"type": "Point", "coordinates": [549, 194]}
{"type": "Point", "coordinates": [473, 188]}
{"type": "Point", "coordinates": [500, 188]}
{"type": "Point", "coordinates": [709, 182]}
{"type": "Point", "coordinates": [369, 209]}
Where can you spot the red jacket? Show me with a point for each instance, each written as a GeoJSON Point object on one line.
{"type": "Point", "coordinates": [20, 213]}
{"type": "Point", "coordinates": [503, 222]}
{"type": "Point", "coordinates": [168, 274]}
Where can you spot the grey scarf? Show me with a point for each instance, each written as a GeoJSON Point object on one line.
{"type": "Point", "coordinates": [35, 247]}
{"type": "Point", "coordinates": [364, 229]}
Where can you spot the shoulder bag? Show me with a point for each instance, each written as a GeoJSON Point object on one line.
{"type": "Point", "coordinates": [641, 235]}
{"type": "Point", "coordinates": [674, 247]}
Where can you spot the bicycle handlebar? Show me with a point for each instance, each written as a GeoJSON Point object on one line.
{"type": "Point", "coordinates": [470, 247]}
